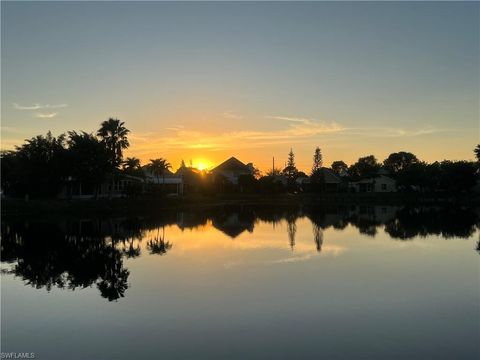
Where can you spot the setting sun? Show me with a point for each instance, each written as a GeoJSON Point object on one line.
{"type": "Point", "coordinates": [202, 164]}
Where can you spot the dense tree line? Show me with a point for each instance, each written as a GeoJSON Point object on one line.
{"type": "Point", "coordinates": [44, 163]}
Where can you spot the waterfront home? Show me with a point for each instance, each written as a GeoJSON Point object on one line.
{"type": "Point", "coordinates": [232, 169]}
{"type": "Point", "coordinates": [378, 184]}
{"type": "Point", "coordinates": [171, 183]}
{"type": "Point", "coordinates": [331, 181]}
{"type": "Point", "coordinates": [117, 187]}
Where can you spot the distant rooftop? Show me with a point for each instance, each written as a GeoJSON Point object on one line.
{"type": "Point", "coordinates": [231, 164]}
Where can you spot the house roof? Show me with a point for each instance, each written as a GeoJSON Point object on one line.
{"type": "Point", "coordinates": [329, 176]}
{"type": "Point", "coordinates": [231, 164]}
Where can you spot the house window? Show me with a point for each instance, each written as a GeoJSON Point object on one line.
{"type": "Point", "coordinates": [384, 187]}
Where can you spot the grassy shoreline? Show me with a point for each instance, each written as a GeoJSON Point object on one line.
{"type": "Point", "coordinates": [144, 206]}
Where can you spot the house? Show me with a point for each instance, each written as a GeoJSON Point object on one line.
{"type": "Point", "coordinates": [378, 184]}
{"type": "Point", "coordinates": [327, 180]}
{"type": "Point", "coordinates": [109, 188]}
{"type": "Point", "coordinates": [302, 180]}
{"type": "Point", "coordinates": [232, 169]}
{"type": "Point", "coordinates": [331, 180]}
{"type": "Point", "coordinates": [170, 182]}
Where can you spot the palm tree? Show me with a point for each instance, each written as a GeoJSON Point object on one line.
{"type": "Point", "coordinates": [131, 163]}
{"type": "Point", "coordinates": [132, 166]}
{"type": "Point", "coordinates": [158, 245]}
{"type": "Point", "coordinates": [114, 135]}
{"type": "Point", "coordinates": [159, 167]}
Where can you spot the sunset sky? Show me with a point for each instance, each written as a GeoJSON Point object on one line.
{"type": "Point", "coordinates": [205, 81]}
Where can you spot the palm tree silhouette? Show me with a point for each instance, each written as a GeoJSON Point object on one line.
{"type": "Point", "coordinates": [131, 163]}
{"type": "Point", "coordinates": [159, 167]}
{"type": "Point", "coordinates": [131, 251]}
{"type": "Point", "coordinates": [114, 135]}
{"type": "Point", "coordinates": [158, 245]}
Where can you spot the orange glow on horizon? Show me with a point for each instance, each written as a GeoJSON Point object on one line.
{"type": "Point", "coordinates": [202, 165]}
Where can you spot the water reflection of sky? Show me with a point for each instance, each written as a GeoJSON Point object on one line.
{"type": "Point", "coordinates": [210, 295]}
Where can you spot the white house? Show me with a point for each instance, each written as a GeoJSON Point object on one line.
{"type": "Point", "coordinates": [377, 184]}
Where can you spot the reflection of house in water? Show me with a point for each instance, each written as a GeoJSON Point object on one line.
{"type": "Point", "coordinates": [378, 213]}
{"type": "Point", "coordinates": [191, 219]}
{"type": "Point", "coordinates": [233, 224]}
{"type": "Point", "coordinates": [367, 218]}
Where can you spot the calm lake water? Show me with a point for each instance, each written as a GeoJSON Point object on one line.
{"type": "Point", "coordinates": [370, 282]}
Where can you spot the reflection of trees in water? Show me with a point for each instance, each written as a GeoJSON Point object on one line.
{"type": "Point", "coordinates": [365, 226]}
{"type": "Point", "coordinates": [114, 281]}
{"type": "Point", "coordinates": [317, 236]}
{"type": "Point", "coordinates": [292, 231]}
{"type": "Point", "coordinates": [48, 256]}
{"type": "Point", "coordinates": [130, 250]}
{"type": "Point", "coordinates": [158, 245]}
{"type": "Point", "coordinates": [446, 222]}
{"type": "Point", "coordinates": [84, 253]}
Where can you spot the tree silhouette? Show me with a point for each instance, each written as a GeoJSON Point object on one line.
{"type": "Point", "coordinates": [131, 163]}
{"type": "Point", "coordinates": [365, 167]}
{"type": "Point", "coordinates": [88, 157]}
{"type": "Point", "coordinates": [40, 165]}
{"type": "Point", "coordinates": [290, 170]}
{"type": "Point", "coordinates": [158, 245]}
{"type": "Point", "coordinates": [400, 161]}
{"type": "Point", "coordinates": [317, 160]}
{"type": "Point", "coordinates": [130, 250]}
{"type": "Point", "coordinates": [132, 166]}
{"type": "Point", "coordinates": [339, 167]}
{"type": "Point", "coordinates": [477, 152]}
{"type": "Point", "coordinates": [159, 167]}
{"type": "Point", "coordinates": [114, 135]}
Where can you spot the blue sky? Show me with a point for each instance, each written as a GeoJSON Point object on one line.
{"type": "Point", "coordinates": [204, 81]}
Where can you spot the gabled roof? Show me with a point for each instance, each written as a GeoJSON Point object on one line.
{"type": "Point", "coordinates": [187, 170]}
{"type": "Point", "coordinates": [232, 164]}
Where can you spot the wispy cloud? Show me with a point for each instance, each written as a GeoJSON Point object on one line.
{"type": "Point", "coordinates": [231, 115]}
{"type": "Point", "coordinates": [290, 131]}
{"type": "Point", "coordinates": [38, 106]}
{"type": "Point", "coordinates": [396, 132]}
{"type": "Point", "coordinates": [175, 128]}
{"type": "Point", "coordinates": [240, 139]}
{"type": "Point", "coordinates": [45, 115]}
{"type": "Point", "coordinates": [293, 119]}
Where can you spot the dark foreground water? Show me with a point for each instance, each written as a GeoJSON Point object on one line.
{"type": "Point", "coordinates": [372, 282]}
